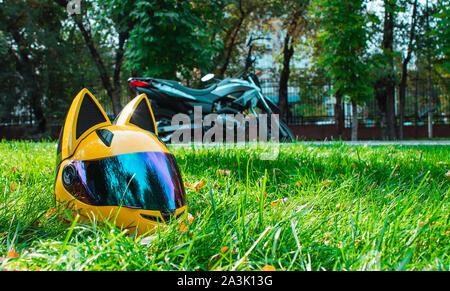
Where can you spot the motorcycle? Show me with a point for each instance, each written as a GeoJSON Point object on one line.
{"type": "Point", "coordinates": [231, 96]}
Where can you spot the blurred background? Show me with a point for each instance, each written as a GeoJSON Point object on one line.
{"type": "Point", "coordinates": [336, 68]}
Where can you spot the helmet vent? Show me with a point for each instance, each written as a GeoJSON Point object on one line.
{"type": "Point", "coordinates": [168, 215]}
{"type": "Point", "coordinates": [151, 217]}
{"type": "Point", "coordinates": [69, 175]}
{"type": "Point", "coordinates": [105, 136]}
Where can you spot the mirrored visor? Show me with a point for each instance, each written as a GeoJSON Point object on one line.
{"type": "Point", "coordinates": [145, 180]}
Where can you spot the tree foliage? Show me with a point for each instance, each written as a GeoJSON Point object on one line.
{"type": "Point", "coordinates": [172, 37]}
{"type": "Point", "coordinates": [343, 42]}
{"type": "Point", "coordinates": [42, 61]}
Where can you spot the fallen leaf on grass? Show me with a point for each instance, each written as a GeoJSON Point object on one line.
{"type": "Point", "coordinates": [268, 268]}
{"type": "Point", "coordinates": [190, 218]}
{"type": "Point", "coordinates": [64, 219]}
{"type": "Point", "coordinates": [423, 222]}
{"type": "Point", "coordinates": [12, 186]}
{"type": "Point", "coordinates": [183, 228]}
{"type": "Point", "coordinates": [327, 182]}
{"type": "Point", "coordinates": [215, 258]}
{"type": "Point", "coordinates": [224, 172]}
{"type": "Point", "coordinates": [12, 253]}
{"type": "Point", "coordinates": [49, 212]}
{"type": "Point", "coordinates": [148, 239]}
{"type": "Point", "coordinates": [195, 186]}
{"type": "Point", "coordinates": [284, 201]}
{"type": "Point", "coordinates": [151, 252]}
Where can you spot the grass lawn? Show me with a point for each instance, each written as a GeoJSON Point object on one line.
{"type": "Point", "coordinates": [329, 207]}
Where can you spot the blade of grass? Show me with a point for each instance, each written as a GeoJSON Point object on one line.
{"type": "Point", "coordinates": [238, 263]}
{"type": "Point", "coordinates": [69, 234]}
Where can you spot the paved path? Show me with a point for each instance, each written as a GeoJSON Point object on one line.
{"type": "Point", "coordinates": [361, 142]}
{"type": "Point", "coordinates": [384, 143]}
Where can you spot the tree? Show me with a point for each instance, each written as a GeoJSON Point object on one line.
{"type": "Point", "coordinates": [343, 43]}
{"type": "Point", "coordinates": [404, 73]}
{"type": "Point", "coordinates": [293, 14]}
{"type": "Point", "coordinates": [431, 55]}
{"type": "Point", "coordinates": [384, 70]}
{"type": "Point", "coordinates": [115, 18]}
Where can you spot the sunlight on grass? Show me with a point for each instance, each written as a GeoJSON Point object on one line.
{"type": "Point", "coordinates": [316, 207]}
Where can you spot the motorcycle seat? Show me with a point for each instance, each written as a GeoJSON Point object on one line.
{"type": "Point", "coordinates": [190, 91]}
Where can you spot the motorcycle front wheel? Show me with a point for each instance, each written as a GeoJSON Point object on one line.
{"type": "Point", "coordinates": [284, 133]}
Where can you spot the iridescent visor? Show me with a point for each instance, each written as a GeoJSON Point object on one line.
{"type": "Point", "coordinates": [145, 180]}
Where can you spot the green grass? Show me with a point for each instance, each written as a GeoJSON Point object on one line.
{"type": "Point", "coordinates": [332, 207]}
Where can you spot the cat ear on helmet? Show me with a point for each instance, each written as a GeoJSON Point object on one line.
{"type": "Point", "coordinates": [84, 116]}
{"type": "Point", "coordinates": [138, 112]}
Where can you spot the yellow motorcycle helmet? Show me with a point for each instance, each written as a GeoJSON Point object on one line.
{"type": "Point", "coordinates": [119, 170]}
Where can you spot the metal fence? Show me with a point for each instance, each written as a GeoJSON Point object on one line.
{"type": "Point", "coordinates": [313, 104]}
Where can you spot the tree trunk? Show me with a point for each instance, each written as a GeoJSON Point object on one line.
{"type": "Point", "coordinates": [117, 89]}
{"type": "Point", "coordinates": [390, 111]}
{"type": "Point", "coordinates": [104, 76]}
{"type": "Point", "coordinates": [430, 101]}
{"type": "Point", "coordinates": [379, 94]}
{"type": "Point", "coordinates": [402, 85]}
{"type": "Point", "coordinates": [288, 51]}
{"type": "Point", "coordinates": [354, 121]}
{"type": "Point", "coordinates": [292, 33]}
{"type": "Point", "coordinates": [41, 121]}
{"type": "Point", "coordinates": [113, 89]}
{"type": "Point", "coordinates": [339, 115]}
{"type": "Point", "coordinates": [401, 96]}
{"type": "Point", "coordinates": [231, 43]}
{"type": "Point", "coordinates": [385, 85]}
{"type": "Point", "coordinates": [430, 107]}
